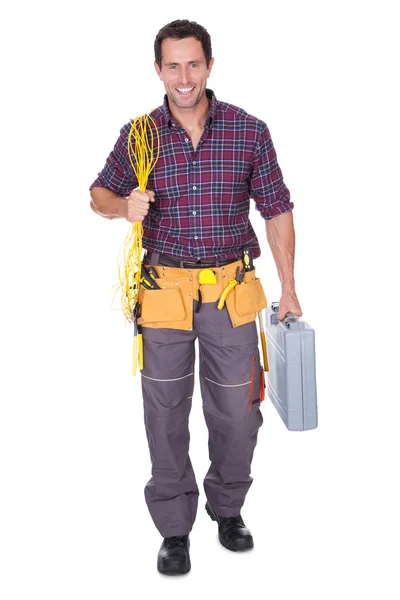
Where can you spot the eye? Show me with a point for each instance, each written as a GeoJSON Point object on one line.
{"type": "Point", "coordinates": [173, 66]}
{"type": "Point", "coordinates": [193, 65]}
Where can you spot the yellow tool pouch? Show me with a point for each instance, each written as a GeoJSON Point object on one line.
{"type": "Point", "coordinates": [246, 300]}
{"type": "Point", "coordinates": [171, 306]}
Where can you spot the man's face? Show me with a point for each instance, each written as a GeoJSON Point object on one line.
{"type": "Point", "coordinates": [183, 71]}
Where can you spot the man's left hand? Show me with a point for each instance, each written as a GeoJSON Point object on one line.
{"type": "Point", "coordinates": [289, 303]}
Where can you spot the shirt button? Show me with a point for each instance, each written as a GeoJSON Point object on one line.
{"type": "Point", "coordinates": [194, 162]}
{"type": "Point", "coordinates": [195, 237]}
{"type": "Point", "coordinates": [195, 187]}
{"type": "Point", "coordinates": [194, 212]}
{"type": "Point", "coordinates": [186, 139]}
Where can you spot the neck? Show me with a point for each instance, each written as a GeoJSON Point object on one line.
{"type": "Point", "coordinates": [191, 118]}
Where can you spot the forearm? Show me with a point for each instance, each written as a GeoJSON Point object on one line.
{"type": "Point", "coordinates": [281, 239]}
{"type": "Point", "coordinates": [105, 203]}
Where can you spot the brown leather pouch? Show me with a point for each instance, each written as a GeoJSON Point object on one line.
{"type": "Point", "coordinates": [246, 300]}
{"type": "Point", "coordinates": [171, 306]}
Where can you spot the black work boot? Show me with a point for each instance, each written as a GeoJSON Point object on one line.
{"type": "Point", "coordinates": [173, 557]}
{"type": "Point", "coordinates": [232, 532]}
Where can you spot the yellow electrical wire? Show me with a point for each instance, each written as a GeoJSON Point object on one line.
{"type": "Point", "coordinates": [143, 153]}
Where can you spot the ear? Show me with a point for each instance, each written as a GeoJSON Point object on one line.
{"type": "Point", "coordinates": [158, 70]}
{"type": "Point", "coordinates": [210, 67]}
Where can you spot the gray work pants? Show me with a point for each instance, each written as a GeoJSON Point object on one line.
{"type": "Point", "coordinates": [230, 380]}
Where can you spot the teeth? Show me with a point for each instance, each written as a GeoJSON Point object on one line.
{"type": "Point", "coordinates": [185, 90]}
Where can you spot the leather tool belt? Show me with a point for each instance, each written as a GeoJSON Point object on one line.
{"type": "Point", "coordinates": [171, 306]}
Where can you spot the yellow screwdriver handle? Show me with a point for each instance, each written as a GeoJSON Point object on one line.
{"type": "Point", "coordinates": [226, 291]}
{"type": "Point", "coordinates": [140, 340]}
{"type": "Point", "coordinates": [134, 357]}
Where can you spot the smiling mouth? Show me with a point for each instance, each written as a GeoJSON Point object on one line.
{"type": "Point", "coordinates": [185, 91]}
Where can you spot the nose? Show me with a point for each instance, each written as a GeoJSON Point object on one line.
{"type": "Point", "coordinates": [185, 75]}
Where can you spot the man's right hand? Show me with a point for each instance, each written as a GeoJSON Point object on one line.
{"type": "Point", "coordinates": [136, 206]}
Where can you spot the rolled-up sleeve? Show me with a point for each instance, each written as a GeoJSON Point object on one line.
{"type": "Point", "coordinates": [267, 188]}
{"type": "Point", "coordinates": [117, 174]}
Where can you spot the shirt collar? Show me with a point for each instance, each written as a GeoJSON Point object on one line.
{"type": "Point", "coordinates": [210, 117]}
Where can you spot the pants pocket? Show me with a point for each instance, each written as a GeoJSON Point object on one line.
{"type": "Point", "coordinates": [257, 382]}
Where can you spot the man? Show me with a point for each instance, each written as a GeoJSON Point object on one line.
{"type": "Point", "coordinates": [214, 157]}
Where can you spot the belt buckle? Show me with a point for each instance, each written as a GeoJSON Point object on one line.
{"type": "Point", "coordinates": [196, 264]}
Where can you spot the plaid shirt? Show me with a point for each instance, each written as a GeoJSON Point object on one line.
{"type": "Point", "coordinates": [202, 196]}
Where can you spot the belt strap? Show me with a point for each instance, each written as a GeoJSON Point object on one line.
{"type": "Point", "coordinates": [156, 258]}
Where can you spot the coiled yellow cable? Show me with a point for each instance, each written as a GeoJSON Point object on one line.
{"type": "Point", "coordinates": [143, 152]}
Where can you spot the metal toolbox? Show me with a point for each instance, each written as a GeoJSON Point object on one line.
{"type": "Point", "coordinates": [291, 379]}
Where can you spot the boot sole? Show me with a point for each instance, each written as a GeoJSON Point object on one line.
{"type": "Point", "coordinates": [174, 568]}
{"type": "Point", "coordinates": [249, 545]}
{"type": "Point", "coordinates": [171, 571]}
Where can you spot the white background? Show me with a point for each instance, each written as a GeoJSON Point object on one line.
{"type": "Point", "coordinates": [323, 508]}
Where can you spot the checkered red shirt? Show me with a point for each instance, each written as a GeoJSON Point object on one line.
{"type": "Point", "coordinates": [202, 197]}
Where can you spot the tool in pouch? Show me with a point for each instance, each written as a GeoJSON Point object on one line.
{"type": "Point", "coordinates": [147, 280]}
{"type": "Point", "coordinates": [247, 266]}
{"type": "Point", "coordinates": [206, 277]}
{"type": "Point", "coordinates": [238, 280]}
{"type": "Point", "coordinates": [248, 259]}
{"type": "Point", "coordinates": [137, 338]}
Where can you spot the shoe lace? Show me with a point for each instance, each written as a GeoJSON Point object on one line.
{"type": "Point", "coordinates": [229, 522]}
{"type": "Point", "coordinates": [176, 541]}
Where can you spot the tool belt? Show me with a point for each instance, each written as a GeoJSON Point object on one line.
{"type": "Point", "coordinates": [171, 306]}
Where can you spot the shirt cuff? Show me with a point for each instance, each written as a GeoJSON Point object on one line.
{"type": "Point", "coordinates": [273, 210]}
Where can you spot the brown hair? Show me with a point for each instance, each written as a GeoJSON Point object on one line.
{"type": "Point", "coordinates": [179, 30]}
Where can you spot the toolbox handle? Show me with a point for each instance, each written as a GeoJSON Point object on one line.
{"type": "Point", "coordinates": [291, 320]}
{"type": "Point", "coordinates": [290, 315]}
